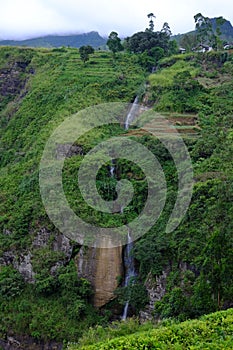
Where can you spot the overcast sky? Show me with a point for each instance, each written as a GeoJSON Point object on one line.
{"type": "Point", "coordinates": [30, 18]}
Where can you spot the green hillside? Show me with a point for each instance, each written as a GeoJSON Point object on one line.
{"type": "Point", "coordinates": [39, 88]}
{"type": "Point", "coordinates": [214, 331]}
{"type": "Point", "coordinates": [41, 295]}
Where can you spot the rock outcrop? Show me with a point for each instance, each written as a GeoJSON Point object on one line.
{"type": "Point", "coordinates": [58, 242]}
{"type": "Point", "coordinates": [156, 288]}
{"type": "Point", "coordinates": [23, 264]}
{"type": "Point", "coordinates": [13, 79]}
{"type": "Point", "coordinates": [68, 151]}
{"type": "Point", "coordinates": [23, 261]}
{"type": "Point", "coordinates": [102, 267]}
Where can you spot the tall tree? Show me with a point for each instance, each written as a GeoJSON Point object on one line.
{"type": "Point", "coordinates": [151, 22]}
{"type": "Point", "coordinates": [204, 29]}
{"type": "Point", "coordinates": [166, 29]}
{"type": "Point", "coordinates": [114, 43]}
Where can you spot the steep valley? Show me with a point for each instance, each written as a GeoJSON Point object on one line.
{"type": "Point", "coordinates": [52, 288]}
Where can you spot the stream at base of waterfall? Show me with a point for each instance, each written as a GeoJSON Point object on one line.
{"type": "Point", "coordinates": [130, 272]}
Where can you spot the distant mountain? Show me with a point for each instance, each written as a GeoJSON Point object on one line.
{"type": "Point", "coordinates": [92, 38]}
{"type": "Point", "coordinates": [226, 29]}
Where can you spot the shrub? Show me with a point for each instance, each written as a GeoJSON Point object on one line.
{"type": "Point", "coordinates": [11, 282]}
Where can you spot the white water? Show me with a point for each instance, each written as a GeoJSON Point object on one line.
{"type": "Point", "coordinates": [132, 113]}
{"type": "Point", "coordinates": [112, 170]}
{"type": "Point", "coordinates": [128, 258]}
{"type": "Point", "coordinates": [129, 118]}
{"type": "Point", "coordinates": [129, 270]}
{"type": "Point", "coordinates": [125, 313]}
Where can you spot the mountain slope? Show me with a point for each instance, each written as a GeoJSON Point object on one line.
{"type": "Point", "coordinates": [226, 31]}
{"type": "Point", "coordinates": [39, 89]}
{"type": "Point", "coordinates": [92, 38]}
{"type": "Point", "coordinates": [40, 293]}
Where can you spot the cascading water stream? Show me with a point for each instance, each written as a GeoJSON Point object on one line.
{"type": "Point", "coordinates": [112, 169]}
{"type": "Point", "coordinates": [128, 258]}
{"type": "Point", "coordinates": [129, 270]}
{"type": "Point", "coordinates": [129, 118]}
{"type": "Point", "coordinates": [132, 113]}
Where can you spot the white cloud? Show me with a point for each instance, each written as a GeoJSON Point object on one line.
{"type": "Point", "coordinates": [28, 18]}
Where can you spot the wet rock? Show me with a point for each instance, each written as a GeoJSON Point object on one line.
{"type": "Point", "coordinates": [102, 267]}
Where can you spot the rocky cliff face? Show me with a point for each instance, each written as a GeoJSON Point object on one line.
{"type": "Point", "coordinates": [23, 261]}
{"type": "Point", "coordinates": [156, 288]}
{"type": "Point", "coordinates": [13, 78]}
{"type": "Point", "coordinates": [102, 267]}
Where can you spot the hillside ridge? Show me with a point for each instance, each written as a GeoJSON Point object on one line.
{"type": "Point", "coordinates": [92, 38]}
{"type": "Point", "coordinates": [226, 30]}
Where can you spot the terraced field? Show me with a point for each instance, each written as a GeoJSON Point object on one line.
{"type": "Point", "coordinates": [167, 123]}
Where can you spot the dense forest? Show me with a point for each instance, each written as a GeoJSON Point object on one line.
{"type": "Point", "coordinates": [180, 274]}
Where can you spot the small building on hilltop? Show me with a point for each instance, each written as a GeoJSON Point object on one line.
{"type": "Point", "coordinates": [202, 48]}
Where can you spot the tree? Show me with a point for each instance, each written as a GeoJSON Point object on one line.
{"type": "Point", "coordinates": [166, 29]}
{"type": "Point", "coordinates": [85, 51]}
{"type": "Point", "coordinates": [205, 34]}
{"type": "Point", "coordinates": [172, 47]}
{"type": "Point", "coordinates": [151, 22]}
{"type": "Point", "coordinates": [114, 43]}
{"type": "Point", "coordinates": [146, 41]}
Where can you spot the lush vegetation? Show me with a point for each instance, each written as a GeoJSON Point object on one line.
{"type": "Point", "coordinates": [47, 86]}
{"type": "Point", "coordinates": [194, 92]}
{"type": "Point", "coordinates": [209, 332]}
{"type": "Point", "coordinates": [151, 45]}
{"type": "Point", "coordinates": [199, 252]}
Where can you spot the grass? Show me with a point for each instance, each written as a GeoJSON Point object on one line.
{"type": "Point", "coordinates": [184, 123]}
{"type": "Point", "coordinates": [164, 78]}
{"type": "Point", "coordinates": [214, 331]}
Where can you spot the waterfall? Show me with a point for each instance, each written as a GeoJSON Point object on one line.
{"type": "Point", "coordinates": [128, 258]}
{"type": "Point", "coordinates": [112, 170]}
{"type": "Point", "coordinates": [129, 270]}
{"type": "Point", "coordinates": [132, 113]}
{"type": "Point", "coordinates": [80, 261]}
{"type": "Point", "coordinates": [129, 118]}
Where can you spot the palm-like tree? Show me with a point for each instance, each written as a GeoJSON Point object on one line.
{"type": "Point", "coordinates": [151, 22]}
